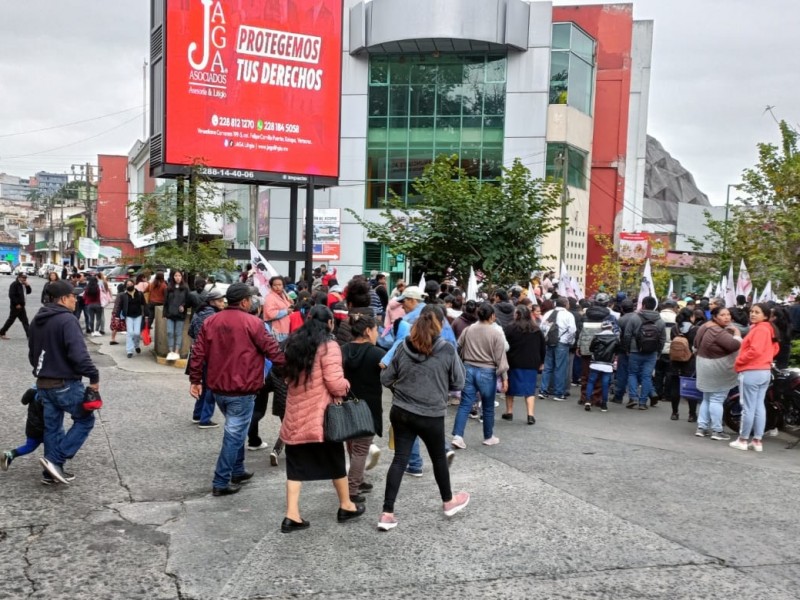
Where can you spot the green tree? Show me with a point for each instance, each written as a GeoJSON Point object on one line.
{"type": "Point", "coordinates": [460, 222]}
{"type": "Point", "coordinates": [195, 206]}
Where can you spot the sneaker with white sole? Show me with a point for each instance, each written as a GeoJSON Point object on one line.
{"type": "Point", "coordinates": [54, 470]}
{"type": "Point", "coordinates": [373, 456]}
{"type": "Point", "coordinates": [263, 446]}
{"type": "Point", "coordinates": [457, 504]}
{"type": "Point", "coordinates": [702, 432]}
{"type": "Point", "coordinates": [458, 442]}
{"type": "Point", "coordinates": [492, 441]}
{"type": "Point", "coordinates": [386, 522]}
{"type": "Point", "coordinates": [738, 444]}
{"type": "Point", "coordinates": [756, 446]}
{"type": "Point", "coordinates": [560, 398]}
{"type": "Point", "coordinates": [450, 454]}
{"type": "Point", "coordinates": [720, 435]}
{"type": "Point", "coordinates": [209, 425]}
{"type": "Point", "coordinates": [773, 432]}
{"type": "Point", "coordinates": [5, 460]}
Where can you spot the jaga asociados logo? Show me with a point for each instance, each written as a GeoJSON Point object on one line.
{"type": "Point", "coordinates": [209, 73]}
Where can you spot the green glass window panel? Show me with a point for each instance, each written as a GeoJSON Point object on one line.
{"type": "Point", "coordinates": [493, 130]}
{"type": "Point", "coordinates": [496, 69]}
{"type": "Point", "coordinates": [423, 73]}
{"type": "Point", "coordinates": [576, 174]}
{"type": "Point", "coordinates": [450, 74]}
{"type": "Point", "coordinates": [398, 187]}
{"type": "Point", "coordinates": [398, 132]}
{"type": "Point", "coordinates": [474, 70]}
{"type": "Point", "coordinates": [559, 75]}
{"type": "Point", "coordinates": [580, 85]}
{"type": "Point", "coordinates": [472, 130]}
{"type": "Point", "coordinates": [551, 169]}
{"type": "Point", "coordinates": [399, 71]}
{"type": "Point", "coordinates": [376, 193]}
{"type": "Point", "coordinates": [446, 149]}
{"type": "Point", "coordinates": [377, 130]}
{"type": "Point", "coordinates": [378, 101]}
{"type": "Point", "coordinates": [378, 71]}
{"type": "Point", "coordinates": [491, 162]}
{"type": "Point", "coordinates": [397, 163]}
{"type": "Point", "coordinates": [582, 45]}
{"type": "Point", "coordinates": [418, 159]}
{"type": "Point", "coordinates": [423, 100]}
{"type": "Point", "coordinates": [448, 130]}
{"type": "Point", "coordinates": [494, 99]}
{"type": "Point", "coordinates": [472, 99]}
{"type": "Point", "coordinates": [376, 163]}
{"type": "Point", "coordinates": [471, 159]}
{"type": "Point", "coordinates": [561, 33]}
{"type": "Point", "coordinates": [398, 100]}
{"type": "Point", "coordinates": [448, 100]}
{"type": "Point", "coordinates": [421, 131]}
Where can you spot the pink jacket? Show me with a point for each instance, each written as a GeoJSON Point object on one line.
{"type": "Point", "coordinates": [274, 304]}
{"type": "Point", "coordinates": [305, 406]}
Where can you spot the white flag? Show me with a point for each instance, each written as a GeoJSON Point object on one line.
{"type": "Point", "coordinates": [755, 296]}
{"type": "Point", "coordinates": [576, 288]}
{"type": "Point", "coordinates": [717, 290]}
{"type": "Point", "coordinates": [262, 270]}
{"type": "Point", "coordinates": [730, 292]}
{"type": "Point", "coordinates": [472, 285]}
{"type": "Point", "coordinates": [565, 282]}
{"type": "Point", "coordinates": [422, 282]}
{"type": "Point", "coordinates": [532, 294]}
{"type": "Point", "coordinates": [709, 290]}
{"type": "Point", "coordinates": [647, 288]}
{"type": "Point", "coordinates": [743, 285]}
{"type": "Point", "coordinates": [670, 290]}
{"type": "Point", "coordinates": [766, 295]}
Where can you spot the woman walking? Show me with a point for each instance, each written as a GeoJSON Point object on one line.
{"type": "Point", "coordinates": [277, 309]}
{"type": "Point", "coordinates": [158, 295]}
{"type": "Point", "coordinates": [94, 309]}
{"type": "Point", "coordinates": [753, 365]}
{"type": "Point", "coordinates": [362, 370]}
{"type": "Point", "coordinates": [482, 348]}
{"type": "Point", "coordinates": [132, 309]}
{"type": "Point", "coordinates": [423, 370]}
{"type": "Point", "coordinates": [315, 378]}
{"type": "Point", "coordinates": [51, 277]}
{"type": "Point", "coordinates": [175, 303]}
{"type": "Point", "coordinates": [525, 357]}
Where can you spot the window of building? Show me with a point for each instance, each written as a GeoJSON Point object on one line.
{"type": "Point", "coordinates": [422, 106]}
{"type": "Point", "coordinates": [572, 65]}
{"type": "Point", "coordinates": [576, 164]}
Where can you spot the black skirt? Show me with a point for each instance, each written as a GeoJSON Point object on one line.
{"type": "Point", "coordinates": [315, 461]}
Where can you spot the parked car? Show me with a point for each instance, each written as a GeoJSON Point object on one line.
{"type": "Point", "coordinates": [120, 273]}
{"type": "Point", "coordinates": [222, 279]}
{"type": "Point", "coordinates": [46, 269]}
{"type": "Point", "coordinates": [28, 268]}
{"type": "Point", "coordinates": [5, 267]}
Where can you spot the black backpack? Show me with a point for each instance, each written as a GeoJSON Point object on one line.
{"type": "Point", "coordinates": [647, 338]}
{"type": "Point", "coordinates": [552, 332]}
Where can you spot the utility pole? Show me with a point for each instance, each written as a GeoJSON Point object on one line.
{"type": "Point", "coordinates": [562, 163]}
{"type": "Point", "coordinates": [253, 189]}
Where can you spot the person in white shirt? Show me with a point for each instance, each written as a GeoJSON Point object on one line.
{"type": "Point", "coordinates": [557, 351]}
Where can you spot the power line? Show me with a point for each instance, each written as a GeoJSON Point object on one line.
{"type": "Point", "coordinates": [6, 135]}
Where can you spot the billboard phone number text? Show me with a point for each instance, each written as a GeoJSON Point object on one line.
{"type": "Point", "coordinates": [238, 123]}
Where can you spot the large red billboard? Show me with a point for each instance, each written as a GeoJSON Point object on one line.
{"type": "Point", "coordinates": [253, 88]}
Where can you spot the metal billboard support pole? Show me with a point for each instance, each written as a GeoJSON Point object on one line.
{"type": "Point", "coordinates": [293, 210]}
{"type": "Point", "coordinates": [309, 230]}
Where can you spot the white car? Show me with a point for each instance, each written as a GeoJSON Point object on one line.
{"type": "Point", "coordinates": [46, 269]}
{"type": "Point", "coordinates": [28, 268]}
{"type": "Point", "coordinates": [5, 267]}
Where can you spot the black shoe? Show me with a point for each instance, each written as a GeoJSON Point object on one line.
{"type": "Point", "coordinates": [365, 488]}
{"type": "Point", "coordinates": [233, 488]}
{"type": "Point", "coordinates": [674, 417]}
{"type": "Point", "coordinates": [209, 425]}
{"type": "Point", "coordinates": [246, 476]}
{"type": "Point", "coordinates": [587, 407]}
{"type": "Point", "coordinates": [531, 420]}
{"type": "Point", "coordinates": [288, 526]}
{"type": "Point", "coordinates": [631, 405]}
{"type": "Point", "coordinates": [643, 407]}
{"type": "Point", "coordinates": [343, 515]}
{"type": "Point", "coordinates": [357, 499]}
{"type": "Point", "coordinates": [138, 350]}
{"type": "Point", "coordinates": [507, 417]}
{"type": "Point", "coordinates": [692, 419]}
{"type": "Point", "coordinates": [653, 402]}
{"type": "Point", "coordinates": [615, 401]}
{"type": "Point", "coordinates": [130, 355]}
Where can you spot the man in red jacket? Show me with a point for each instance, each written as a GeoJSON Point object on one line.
{"type": "Point", "coordinates": [233, 344]}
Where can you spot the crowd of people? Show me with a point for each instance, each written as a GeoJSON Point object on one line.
{"type": "Point", "coordinates": [308, 346]}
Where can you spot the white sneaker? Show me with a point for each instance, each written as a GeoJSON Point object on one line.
{"type": "Point", "coordinates": [773, 432]}
{"type": "Point", "coordinates": [492, 441]}
{"type": "Point", "coordinates": [172, 356]}
{"type": "Point", "coordinates": [373, 457]}
{"type": "Point", "coordinates": [738, 445]}
{"type": "Point", "coordinates": [458, 442]}
{"type": "Point", "coordinates": [757, 446]}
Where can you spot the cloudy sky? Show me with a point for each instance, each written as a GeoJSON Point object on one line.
{"type": "Point", "coordinates": [717, 64]}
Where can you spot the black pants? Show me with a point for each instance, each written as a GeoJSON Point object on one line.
{"type": "Point", "coordinates": [673, 387]}
{"type": "Point", "coordinates": [16, 313]}
{"type": "Point", "coordinates": [259, 410]}
{"type": "Point", "coordinates": [407, 426]}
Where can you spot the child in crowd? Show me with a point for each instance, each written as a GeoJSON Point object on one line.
{"type": "Point", "coordinates": [604, 348]}
{"type": "Point", "coordinates": [34, 430]}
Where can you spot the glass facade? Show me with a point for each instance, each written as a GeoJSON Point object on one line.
{"type": "Point", "coordinates": [421, 106]}
{"type": "Point", "coordinates": [576, 163]}
{"type": "Point", "coordinates": [572, 65]}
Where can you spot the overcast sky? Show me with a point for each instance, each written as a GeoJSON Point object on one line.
{"type": "Point", "coordinates": [716, 65]}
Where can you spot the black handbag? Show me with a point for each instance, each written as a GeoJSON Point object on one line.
{"type": "Point", "coordinates": [350, 419]}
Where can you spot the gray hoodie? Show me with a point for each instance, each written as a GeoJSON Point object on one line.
{"type": "Point", "coordinates": [630, 328]}
{"type": "Point", "coordinates": [420, 383]}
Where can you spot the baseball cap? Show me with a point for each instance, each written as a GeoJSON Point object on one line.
{"type": "Point", "coordinates": [601, 298]}
{"type": "Point", "coordinates": [214, 294]}
{"type": "Point", "coordinates": [59, 289]}
{"type": "Point", "coordinates": [413, 292]}
{"type": "Point", "coordinates": [238, 292]}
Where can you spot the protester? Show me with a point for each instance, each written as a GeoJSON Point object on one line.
{"type": "Point", "coordinates": [315, 378]}
{"type": "Point", "coordinates": [17, 292]}
{"type": "Point", "coordinates": [51, 277]}
{"type": "Point", "coordinates": [230, 348]}
{"type": "Point", "coordinates": [132, 308]}
{"type": "Point", "coordinates": [95, 321]}
{"type": "Point", "coordinates": [117, 320]}
{"type": "Point", "coordinates": [277, 309]}
{"type": "Point", "coordinates": [482, 348]}
{"type": "Point", "coordinates": [467, 318]}
{"type": "Point", "coordinates": [717, 343]}
{"type": "Point", "coordinates": [643, 337]}
{"type": "Point", "coordinates": [34, 432]}
{"type": "Point", "coordinates": [59, 357]}
{"type": "Point", "coordinates": [621, 381]}
{"type": "Point", "coordinates": [603, 349]}
{"type": "Point", "coordinates": [781, 320]}
{"type": "Point", "coordinates": [759, 348]}
{"type": "Point", "coordinates": [526, 349]}
{"type": "Point", "coordinates": [554, 375]}
{"type": "Point", "coordinates": [158, 295]}
{"type": "Point", "coordinates": [362, 369]}
{"type": "Point", "coordinates": [424, 369]}
{"type": "Point", "coordinates": [175, 305]}
{"type": "Point", "coordinates": [204, 405]}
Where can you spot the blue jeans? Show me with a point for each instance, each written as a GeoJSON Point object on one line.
{"type": "Point", "coordinates": [605, 382]}
{"type": "Point", "coordinates": [622, 376]}
{"type": "Point", "coordinates": [577, 367]}
{"type": "Point", "coordinates": [554, 375]}
{"type": "Point", "coordinates": [133, 339]}
{"type": "Point", "coordinates": [59, 446]}
{"type": "Point", "coordinates": [710, 415]}
{"type": "Point", "coordinates": [483, 380]}
{"type": "Point", "coordinates": [640, 375]}
{"type": "Point", "coordinates": [415, 458]}
{"type": "Point", "coordinates": [174, 335]}
{"type": "Point", "coordinates": [752, 390]}
{"type": "Point", "coordinates": [238, 411]}
{"type": "Point", "coordinates": [204, 407]}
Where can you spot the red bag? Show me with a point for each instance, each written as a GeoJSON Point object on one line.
{"type": "Point", "coordinates": [146, 339]}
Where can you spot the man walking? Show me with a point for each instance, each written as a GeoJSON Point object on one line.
{"type": "Point", "coordinates": [17, 291]}
{"type": "Point", "coordinates": [644, 336]}
{"type": "Point", "coordinates": [59, 357]}
{"type": "Point", "coordinates": [231, 345]}
{"type": "Point", "coordinates": [559, 329]}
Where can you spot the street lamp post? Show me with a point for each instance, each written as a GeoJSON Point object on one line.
{"type": "Point", "coordinates": [727, 210]}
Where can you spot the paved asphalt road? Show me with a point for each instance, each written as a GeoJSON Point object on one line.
{"type": "Point", "coordinates": [581, 505]}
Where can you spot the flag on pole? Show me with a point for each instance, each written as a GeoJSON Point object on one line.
{"type": "Point", "coordinates": [730, 292]}
{"type": "Point", "coordinates": [755, 296]}
{"type": "Point", "coordinates": [576, 288]}
{"type": "Point", "coordinates": [532, 294]}
{"type": "Point", "coordinates": [262, 270]}
{"type": "Point", "coordinates": [422, 282]}
{"type": "Point", "coordinates": [717, 290]}
{"type": "Point", "coordinates": [647, 288]}
{"type": "Point", "coordinates": [670, 290]}
{"type": "Point", "coordinates": [565, 282]}
{"type": "Point", "coordinates": [766, 295]}
{"type": "Point", "coordinates": [472, 285]}
{"type": "Point", "coordinates": [743, 284]}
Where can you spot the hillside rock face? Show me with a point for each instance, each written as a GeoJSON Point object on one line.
{"type": "Point", "coordinates": [666, 185]}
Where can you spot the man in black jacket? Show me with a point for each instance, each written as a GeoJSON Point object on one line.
{"type": "Point", "coordinates": [59, 357]}
{"type": "Point", "coordinates": [17, 291]}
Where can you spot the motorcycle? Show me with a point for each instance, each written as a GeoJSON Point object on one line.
{"type": "Point", "coordinates": [782, 402]}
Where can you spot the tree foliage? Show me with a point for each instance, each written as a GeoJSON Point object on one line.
{"type": "Point", "coordinates": [199, 206]}
{"type": "Point", "coordinates": [612, 274]}
{"type": "Point", "coordinates": [460, 222]}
